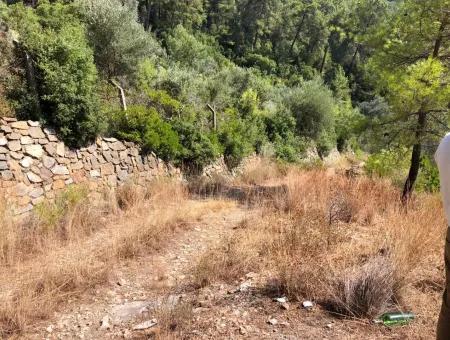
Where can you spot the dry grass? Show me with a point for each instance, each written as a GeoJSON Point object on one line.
{"type": "Point", "coordinates": [345, 243]}
{"type": "Point", "coordinates": [76, 247]}
{"type": "Point", "coordinates": [209, 186]}
{"type": "Point", "coordinates": [261, 170]}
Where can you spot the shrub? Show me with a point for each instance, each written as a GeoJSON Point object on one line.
{"type": "Point", "coordinates": [281, 131]}
{"type": "Point", "coordinates": [314, 109]}
{"type": "Point", "coordinates": [366, 291]}
{"type": "Point", "coordinates": [65, 72]}
{"type": "Point", "coordinates": [428, 179]}
{"type": "Point", "coordinates": [263, 63]}
{"type": "Point", "coordinates": [391, 163]}
{"type": "Point", "coordinates": [146, 128]}
{"type": "Point", "coordinates": [119, 41]}
{"type": "Point", "coordinates": [188, 50]}
{"type": "Point", "coordinates": [50, 214]}
{"type": "Point", "coordinates": [239, 137]}
{"type": "Point", "coordinates": [164, 103]}
{"type": "Point", "coordinates": [198, 147]}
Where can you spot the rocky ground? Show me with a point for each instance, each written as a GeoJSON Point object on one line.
{"type": "Point", "coordinates": [153, 297]}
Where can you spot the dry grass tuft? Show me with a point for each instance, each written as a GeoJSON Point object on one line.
{"type": "Point", "coordinates": [128, 195]}
{"type": "Point", "coordinates": [172, 320]}
{"type": "Point", "coordinates": [365, 291]}
{"type": "Point", "coordinates": [261, 170]}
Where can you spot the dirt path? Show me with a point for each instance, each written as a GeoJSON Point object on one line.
{"type": "Point", "coordinates": [139, 286]}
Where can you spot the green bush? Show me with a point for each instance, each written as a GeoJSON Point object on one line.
{"type": "Point", "coordinates": [314, 109]}
{"type": "Point", "coordinates": [281, 131]}
{"type": "Point", "coordinates": [119, 41]}
{"type": "Point", "coordinates": [428, 179]}
{"type": "Point", "coordinates": [164, 103]}
{"type": "Point", "coordinates": [145, 127]}
{"type": "Point", "coordinates": [238, 137]}
{"type": "Point", "coordinates": [198, 147]}
{"type": "Point", "coordinates": [263, 63]}
{"type": "Point", "coordinates": [65, 72]}
{"type": "Point", "coordinates": [391, 163]}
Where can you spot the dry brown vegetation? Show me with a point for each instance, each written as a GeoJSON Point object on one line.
{"type": "Point", "coordinates": [65, 247]}
{"type": "Point", "coordinates": [345, 243]}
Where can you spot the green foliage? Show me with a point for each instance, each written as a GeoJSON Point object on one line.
{"type": "Point", "coordinates": [199, 148]}
{"type": "Point", "coordinates": [390, 163]}
{"type": "Point", "coordinates": [349, 123]}
{"type": "Point", "coordinates": [146, 128]}
{"type": "Point", "coordinates": [278, 74]}
{"type": "Point", "coordinates": [187, 50]}
{"type": "Point", "coordinates": [281, 131]}
{"type": "Point", "coordinates": [314, 109]}
{"type": "Point", "coordinates": [394, 163]}
{"type": "Point", "coordinates": [164, 15]}
{"type": "Point", "coordinates": [265, 64]}
{"type": "Point", "coordinates": [65, 72]}
{"type": "Point", "coordinates": [164, 103]}
{"type": "Point", "coordinates": [238, 137]}
{"type": "Point", "coordinates": [428, 179]}
{"type": "Point", "coordinates": [118, 40]}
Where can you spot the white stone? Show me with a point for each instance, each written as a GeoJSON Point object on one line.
{"type": "Point", "coordinates": [34, 150]}
{"type": "Point", "coordinates": [33, 123]}
{"type": "Point", "coordinates": [26, 140]}
{"type": "Point", "coordinates": [14, 145]}
{"type": "Point", "coordinates": [48, 162]}
{"type": "Point", "coordinates": [104, 324]}
{"type": "Point", "coordinates": [33, 177]}
{"type": "Point", "coordinates": [36, 132]}
{"type": "Point", "coordinates": [60, 170]}
{"type": "Point", "coordinates": [60, 151]}
{"type": "Point", "coordinates": [94, 173]}
{"type": "Point", "coordinates": [145, 325]}
{"type": "Point", "coordinates": [36, 192]}
{"type": "Point", "coordinates": [26, 162]}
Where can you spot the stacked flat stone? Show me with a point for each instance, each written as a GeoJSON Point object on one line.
{"type": "Point", "coordinates": [35, 164]}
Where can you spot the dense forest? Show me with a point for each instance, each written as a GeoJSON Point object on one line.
{"type": "Point", "coordinates": [194, 79]}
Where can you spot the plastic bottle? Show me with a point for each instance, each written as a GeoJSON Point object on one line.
{"type": "Point", "coordinates": [396, 318]}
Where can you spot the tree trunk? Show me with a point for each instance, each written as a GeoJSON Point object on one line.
{"type": "Point", "coordinates": [325, 53]}
{"type": "Point", "coordinates": [214, 116]}
{"type": "Point", "coordinates": [297, 34]}
{"type": "Point", "coordinates": [415, 159]}
{"type": "Point", "coordinates": [148, 12]}
{"type": "Point", "coordinates": [354, 58]}
{"type": "Point", "coordinates": [30, 74]}
{"type": "Point", "coordinates": [422, 120]}
{"type": "Point", "coordinates": [122, 98]}
{"type": "Point", "coordinates": [438, 41]}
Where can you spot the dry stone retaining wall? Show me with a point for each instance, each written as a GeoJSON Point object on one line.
{"type": "Point", "coordinates": [35, 164]}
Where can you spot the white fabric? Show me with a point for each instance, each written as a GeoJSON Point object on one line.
{"type": "Point", "coordinates": [442, 158]}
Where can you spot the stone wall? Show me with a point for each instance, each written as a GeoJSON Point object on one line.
{"type": "Point", "coordinates": [35, 165]}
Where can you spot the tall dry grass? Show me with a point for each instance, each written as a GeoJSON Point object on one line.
{"type": "Point", "coordinates": [75, 248]}
{"type": "Point", "coordinates": [261, 170]}
{"type": "Point", "coordinates": [346, 243]}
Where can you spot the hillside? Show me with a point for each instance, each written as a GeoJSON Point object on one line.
{"type": "Point", "coordinates": [194, 160]}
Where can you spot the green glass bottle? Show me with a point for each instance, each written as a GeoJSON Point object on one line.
{"type": "Point", "coordinates": [396, 318]}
